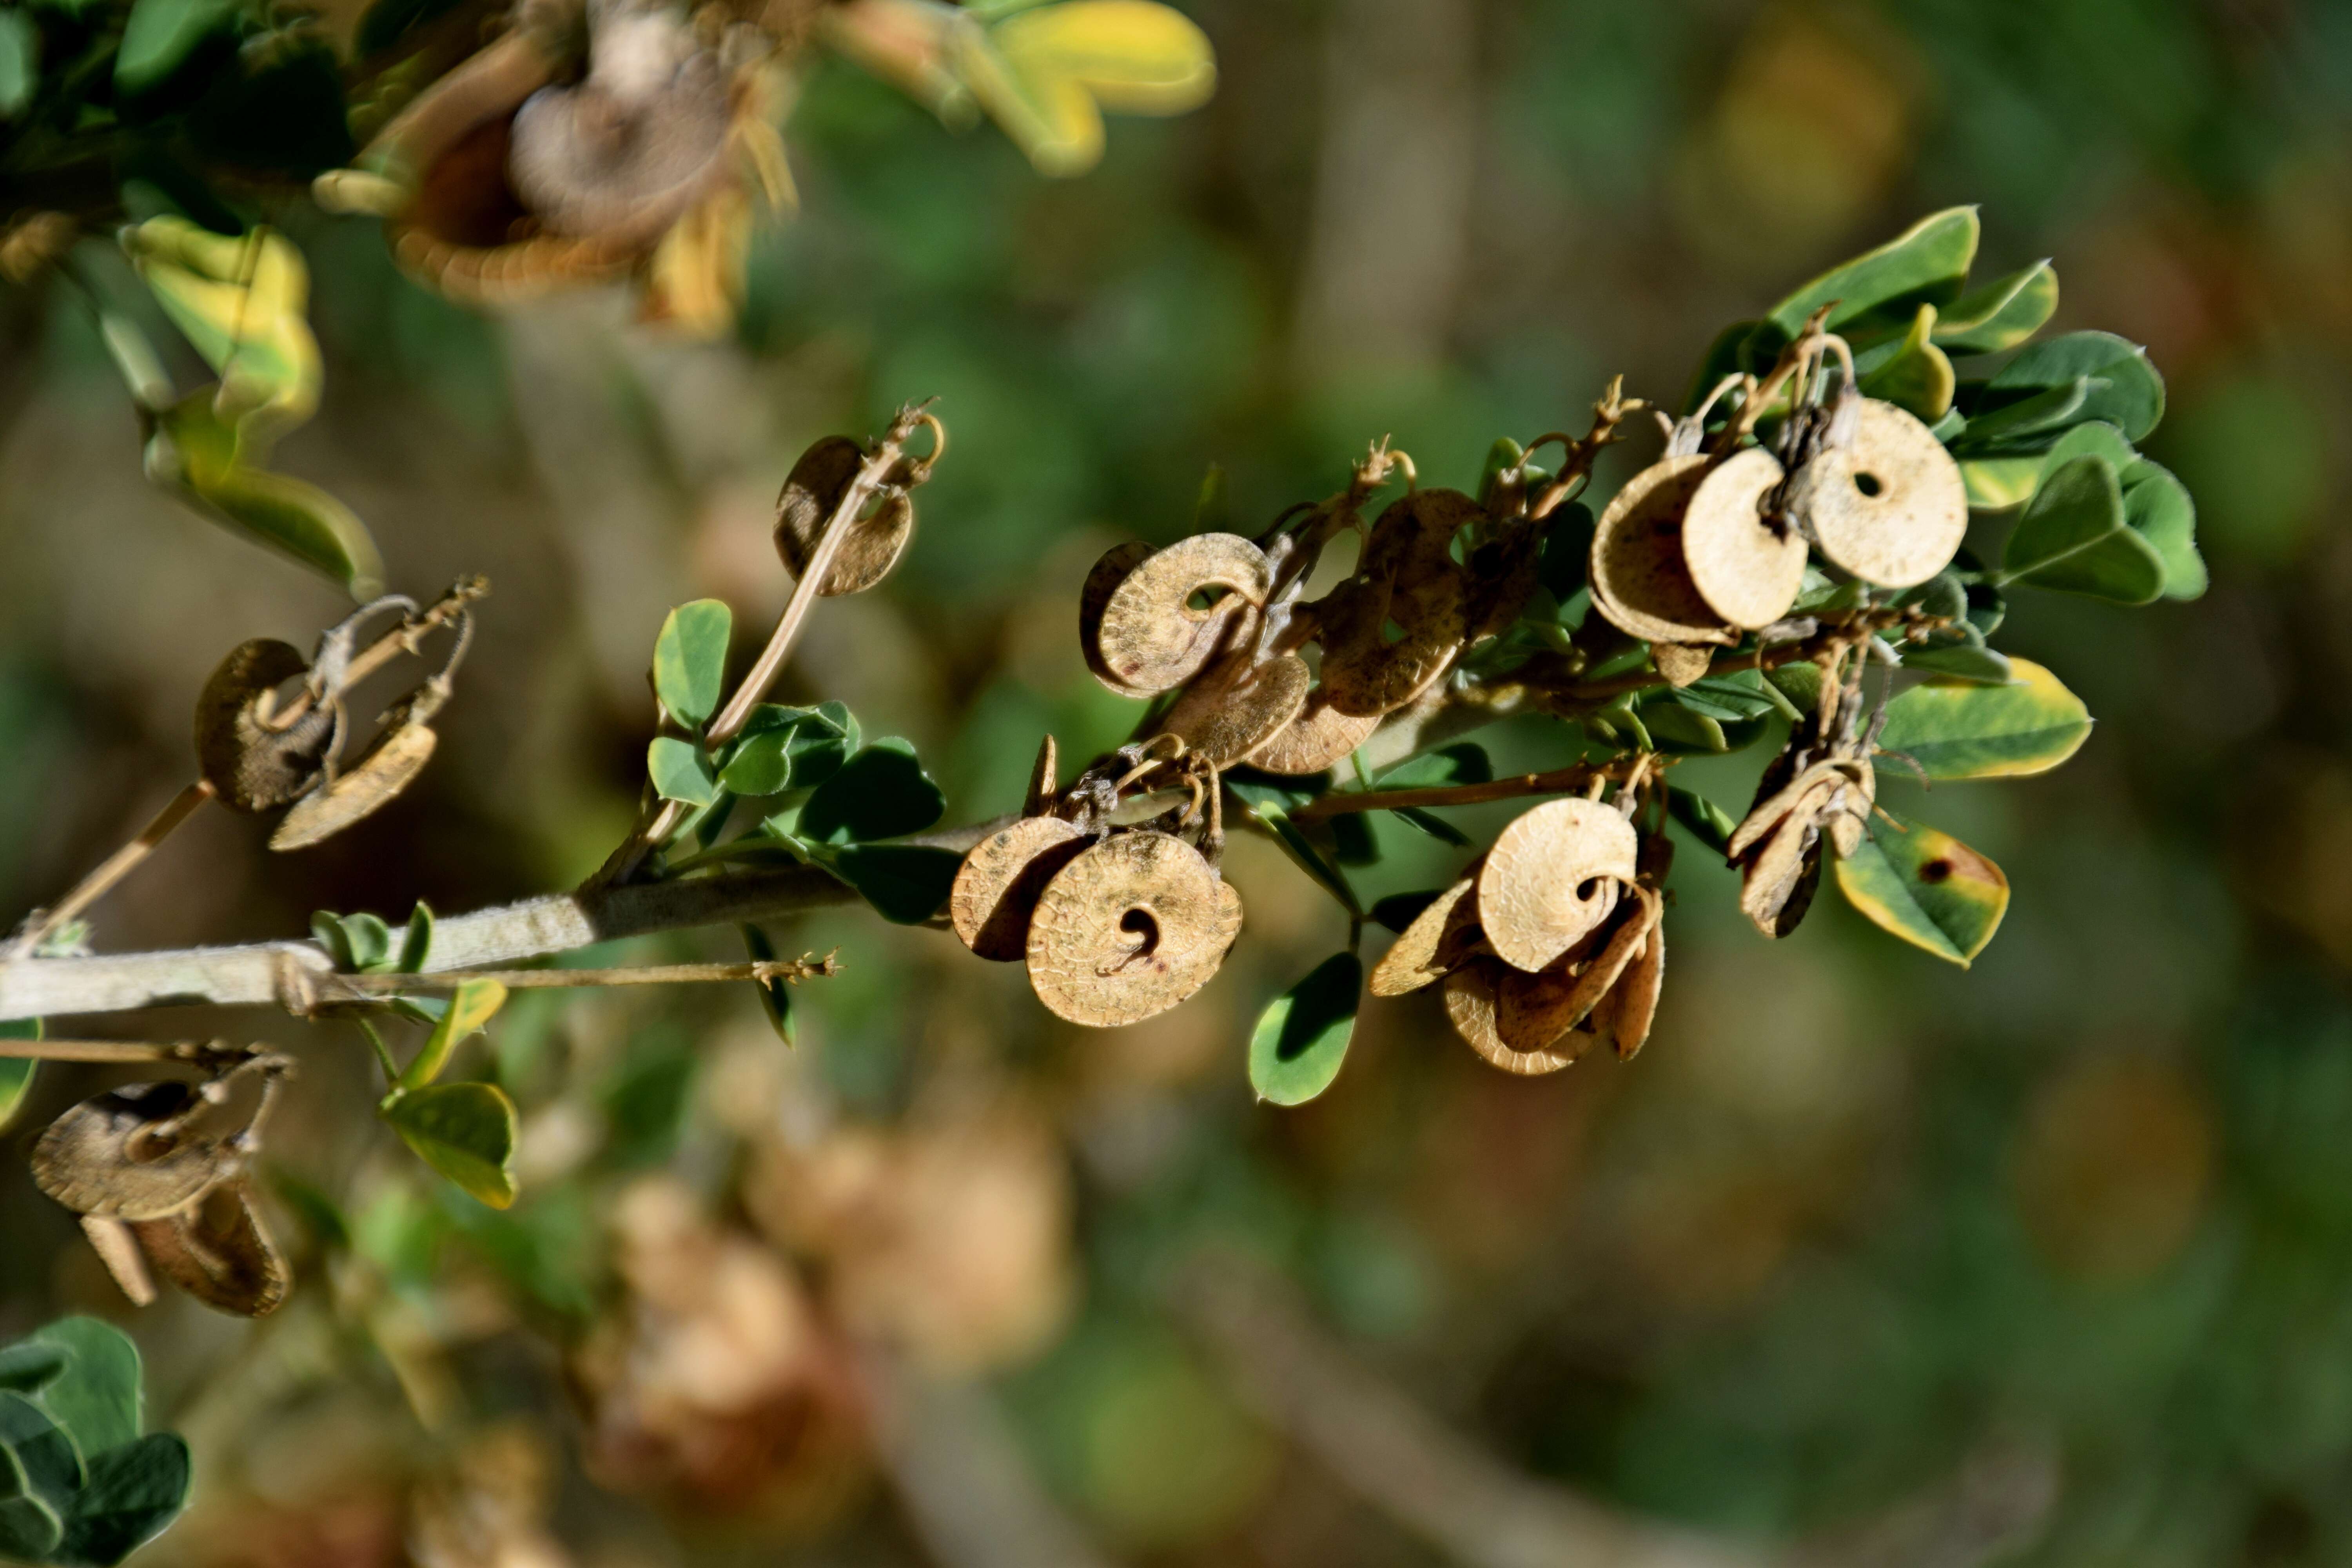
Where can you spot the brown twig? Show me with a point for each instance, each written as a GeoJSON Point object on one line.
{"type": "Point", "coordinates": [791, 971]}
{"type": "Point", "coordinates": [403, 638]}
{"type": "Point", "coordinates": [1571, 780]}
{"type": "Point", "coordinates": [111, 870]}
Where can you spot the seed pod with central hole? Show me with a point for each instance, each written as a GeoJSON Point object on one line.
{"type": "Point", "coordinates": [1094, 598]}
{"type": "Point", "coordinates": [1747, 569]}
{"type": "Point", "coordinates": [249, 766]}
{"type": "Point", "coordinates": [1129, 928]}
{"type": "Point", "coordinates": [1641, 584]}
{"type": "Point", "coordinates": [1471, 1004]}
{"type": "Point", "coordinates": [391, 765]}
{"type": "Point", "coordinates": [1000, 882]}
{"type": "Point", "coordinates": [219, 1250]}
{"type": "Point", "coordinates": [106, 1157]}
{"type": "Point", "coordinates": [1399, 622]}
{"type": "Point", "coordinates": [1237, 708]}
{"type": "Point", "coordinates": [1152, 635]}
{"type": "Point", "coordinates": [1890, 507]}
{"type": "Point", "coordinates": [1551, 877]}
{"type": "Point", "coordinates": [1320, 737]}
{"type": "Point", "coordinates": [1419, 955]}
{"type": "Point", "coordinates": [812, 491]}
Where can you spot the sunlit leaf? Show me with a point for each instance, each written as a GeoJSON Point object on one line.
{"type": "Point", "coordinates": [1046, 75]}
{"type": "Point", "coordinates": [465, 1131]}
{"type": "Point", "coordinates": [2073, 537]}
{"type": "Point", "coordinates": [1925, 263]}
{"type": "Point", "coordinates": [159, 34]}
{"type": "Point", "coordinates": [1925, 887]}
{"type": "Point", "coordinates": [1996, 484]}
{"type": "Point", "coordinates": [192, 453]}
{"type": "Point", "coordinates": [1956, 730]}
{"type": "Point", "coordinates": [240, 300]}
{"type": "Point", "coordinates": [1707, 821]}
{"type": "Point", "coordinates": [471, 1006]}
{"type": "Point", "coordinates": [1912, 371]}
{"type": "Point", "coordinates": [690, 659]}
{"type": "Point", "coordinates": [680, 771]}
{"type": "Point", "coordinates": [2124, 388]}
{"type": "Point", "coordinates": [1301, 1038]}
{"type": "Point", "coordinates": [2000, 314]}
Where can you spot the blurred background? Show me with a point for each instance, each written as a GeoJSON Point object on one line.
{"type": "Point", "coordinates": [1865, 1258]}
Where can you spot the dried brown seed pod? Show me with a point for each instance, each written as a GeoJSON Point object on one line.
{"type": "Point", "coordinates": [1551, 877]}
{"type": "Point", "coordinates": [1150, 636]}
{"type": "Point", "coordinates": [1640, 584]}
{"type": "Point", "coordinates": [119, 1250]}
{"type": "Point", "coordinates": [391, 765]}
{"type": "Point", "coordinates": [1320, 737]}
{"type": "Point", "coordinates": [1044, 780]}
{"type": "Point", "coordinates": [251, 766]}
{"type": "Point", "coordinates": [1633, 1002]}
{"type": "Point", "coordinates": [814, 486]}
{"type": "Point", "coordinates": [1419, 955]}
{"type": "Point", "coordinates": [1407, 583]}
{"type": "Point", "coordinates": [1227, 715]}
{"type": "Point", "coordinates": [1471, 1004]}
{"type": "Point", "coordinates": [1680, 663]}
{"type": "Point", "coordinates": [1777, 882]}
{"type": "Point", "coordinates": [1748, 568]}
{"type": "Point", "coordinates": [1890, 507]}
{"type": "Point", "coordinates": [1503, 573]}
{"type": "Point", "coordinates": [1535, 1011]}
{"type": "Point", "coordinates": [1000, 882]}
{"type": "Point", "coordinates": [1831, 789]}
{"type": "Point", "coordinates": [1129, 928]}
{"type": "Point", "coordinates": [127, 1155]}
{"type": "Point", "coordinates": [219, 1250]}
{"type": "Point", "coordinates": [1094, 597]}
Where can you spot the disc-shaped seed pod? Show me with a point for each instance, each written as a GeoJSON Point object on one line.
{"type": "Point", "coordinates": [1536, 1011]}
{"type": "Point", "coordinates": [219, 1250]}
{"type": "Point", "coordinates": [1150, 636]}
{"type": "Point", "coordinates": [1551, 877]}
{"type": "Point", "coordinates": [1129, 928]}
{"type": "Point", "coordinates": [1420, 954]}
{"type": "Point", "coordinates": [1890, 507]}
{"type": "Point", "coordinates": [1397, 624]}
{"type": "Point", "coordinates": [1747, 569]}
{"type": "Point", "coordinates": [391, 765]}
{"type": "Point", "coordinates": [1471, 1000]}
{"type": "Point", "coordinates": [1320, 737]}
{"type": "Point", "coordinates": [105, 1156]}
{"type": "Point", "coordinates": [1227, 714]}
{"type": "Point", "coordinates": [812, 490]}
{"type": "Point", "coordinates": [1680, 663]}
{"type": "Point", "coordinates": [1633, 1002]}
{"type": "Point", "coordinates": [1640, 584]}
{"type": "Point", "coordinates": [1001, 880]}
{"type": "Point", "coordinates": [249, 766]}
{"type": "Point", "coordinates": [1094, 598]}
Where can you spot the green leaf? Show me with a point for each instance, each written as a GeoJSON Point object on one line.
{"type": "Point", "coordinates": [20, 62]}
{"type": "Point", "coordinates": [134, 1492]}
{"type": "Point", "coordinates": [44, 1455]}
{"type": "Point", "coordinates": [97, 1399]}
{"type": "Point", "coordinates": [1436, 826]}
{"type": "Point", "coordinates": [17, 1073]}
{"type": "Point", "coordinates": [2125, 389]}
{"type": "Point", "coordinates": [1724, 698]}
{"type": "Point", "coordinates": [28, 1365]}
{"type": "Point", "coordinates": [30, 1528]}
{"type": "Point", "coordinates": [368, 939]}
{"type": "Point", "coordinates": [465, 1131]}
{"type": "Point", "coordinates": [1301, 1038]}
{"type": "Point", "coordinates": [1963, 659]}
{"type": "Point", "coordinates": [1266, 807]}
{"type": "Point", "coordinates": [1927, 887]}
{"type": "Point", "coordinates": [416, 941]}
{"type": "Point", "coordinates": [195, 455]}
{"type": "Point", "coordinates": [1912, 371]}
{"type": "Point", "coordinates": [905, 883]}
{"type": "Point", "coordinates": [159, 34]}
{"type": "Point", "coordinates": [775, 995]}
{"type": "Point", "coordinates": [472, 1005]}
{"type": "Point", "coordinates": [240, 300]}
{"type": "Point", "coordinates": [680, 772]}
{"type": "Point", "coordinates": [2072, 538]}
{"type": "Point", "coordinates": [1956, 730]}
{"type": "Point", "coordinates": [1800, 683]}
{"type": "Point", "coordinates": [2000, 314]}
{"type": "Point", "coordinates": [2157, 508]}
{"type": "Point", "coordinates": [1673, 728]}
{"type": "Point", "coordinates": [1708, 823]}
{"type": "Point", "coordinates": [1046, 74]}
{"type": "Point", "coordinates": [1996, 484]}
{"type": "Point", "coordinates": [690, 661]}
{"type": "Point", "coordinates": [2028, 425]}
{"type": "Point", "coordinates": [1463, 762]}
{"type": "Point", "coordinates": [1881, 289]}
{"type": "Point", "coordinates": [880, 792]}
{"type": "Point", "coordinates": [1399, 911]}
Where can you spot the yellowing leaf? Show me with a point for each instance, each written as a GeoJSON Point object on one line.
{"type": "Point", "coordinates": [1911, 373]}
{"type": "Point", "coordinates": [465, 1131]}
{"type": "Point", "coordinates": [1046, 75]}
{"type": "Point", "coordinates": [474, 1004]}
{"type": "Point", "coordinates": [1964, 729]}
{"type": "Point", "coordinates": [194, 453]}
{"type": "Point", "coordinates": [1925, 887]}
{"type": "Point", "coordinates": [240, 301]}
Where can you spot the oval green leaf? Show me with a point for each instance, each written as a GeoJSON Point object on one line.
{"type": "Point", "coordinates": [16, 1073]}
{"type": "Point", "coordinates": [474, 1004]}
{"type": "Point", "coordinates": [465, 1131]}
{"type": "Point", "coordinates": [680, 772]}
{"type": "Point", "coordinates": [2073, 539]}
{"type": "Point", "coordinates": [20, 62]}
{"type": "Point", "coordinates": [1301, 1038]}
{"type": "Point", "coordinates": [1925, 887]}
{"type": "Point", "coordinates": [133, 1493]}
{"type": "Point", "coordinates": [159, 35]}
{"type": "Point", "coordinates": [45, 1456]}
{"type": "Point", "coordinates": [97, 1399]}
{"type": "Point", "coordinates": [690, 661]}
{"type": "Point", "coordinates": [2001, 314]}
{"type": "Point", "coordinates": [1912, 371]}
{"type": "Point", "coordinates": [1926, 263]}
{"type": "Point", "coordinates": [905, 883]}
{"type": "Point", "coordinates": [1959, 729]}
{"type": "Point", "coordinates": [2125, 389]}
{"type": "Point", "coordinates": [880, 792]}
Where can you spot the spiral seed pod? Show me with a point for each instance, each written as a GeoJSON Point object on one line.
{"type": "Point", "coordinates": [1641, 584]}
{"type": "Point", "coordinates": [1430, 945]}
{"type": "Point", "coordinates": [1001, 880]}
{"type": "Point", "coordinates": [219, 1250]}
{"type": "Point", "coordinates": [1150, 637]}
{"type": "Point", "coordinates": [1747, 569]}
{"type": "Point", "coordinates": [1551, 877]}
{"type": "Point", "coordinates": [125, 1154]}
{"type": "Point", "coordinates": [391, 765]}
{"type": "Point", "coordinates": [1320, 737]}
{"type": "Point", "coordinates": [1407, 581]}
{"type": "Point", "coordinates": [812, 490]}
{"type": "Point", "coordinates": [1889, 507]}
{"type": "Point", "coordinates": [1225, 716]}
{"type": "Point", "coordinates": [249, 766]}
{"type": "Point", "coordinates": [1536, 1011]}
{"type": "Point", "coordinates": [1093, 599]}
{"type": "Point", "coordinates": [1129, 928]}
{"type": "Point", "coordinates": [1471, 1004]}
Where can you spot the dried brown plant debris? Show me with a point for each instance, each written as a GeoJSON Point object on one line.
{"type": "Point", "coordinates": [1129, 928]}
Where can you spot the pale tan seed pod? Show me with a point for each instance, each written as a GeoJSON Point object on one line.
{"type": "Point", "coordinates": [1407, 580]}
{"type": "Point", "coordinates": [1834, 785]}
{"type": "Point", "coordinates": [1536, 1011]}
{"type": "Point", "coordinates": [219, 1250]}
{"type": "Point", "coordinates": [1680, 663]}
{"type": "Point", "coordinates": [1417, 957]}
{"type": "Point", "coordinates": [1891, 507]}
{"type": "Point", "coordinates": [119, 1250]}
{"type": "Point", "coordinates": [1151, 637]}
{"type": "Point", "coordinates": [1640, 584]}
{"type": "Point", "coordinates": [1471, 1002]}
{"type": "Point", "coordinates": [1001, 880]}
{"type": "Point", "coordinates": [1094, 597]}
{"type": "Point", "coordinates": [1777, 884]}
{"type": "Point", "coordinates": [1320, 737]}
{"type": "Point", "coordinates": [250, 766]}
{"type": "Point", "coordinates": [1227, 715]}
{"type": "Point", "coordinates": [1551, 877]}
{"type": "Point", "coordinates": [104, 1157]}
{"type": "Point", "coordinates": [1129, 928]}
{"type": "Point", "coordinates": [1747, 571]}
{"type": "Point", "coordinates": [391, 765]}
{"type": "Point", "coordinates": [1633, 1002]}
{"type": "Point", "coordinates": [811, 491]}
{"type": "Point", "coordinates": [1044, 781]}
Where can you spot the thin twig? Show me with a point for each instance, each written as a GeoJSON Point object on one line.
{"type": "Point", "coordinates": [401, 638]}
{"type": "Point", "coordinates": [1569, 780]}
{"type": "Point", "coordinates": [112, 870]}
{"type": "Point", "coordinates": [120, 1051]}
{"type": "Point", "coordinates": [766, 972]}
